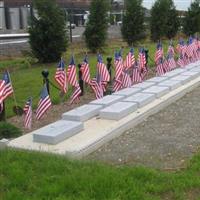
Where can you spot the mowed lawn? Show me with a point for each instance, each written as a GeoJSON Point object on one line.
{"type": "Point", "coordinates": [27, 79]}
{"type": "Point", "coordinates": [37, 176]}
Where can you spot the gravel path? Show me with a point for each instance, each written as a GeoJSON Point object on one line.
{"type": "Point", "coordinates": [165, 140]}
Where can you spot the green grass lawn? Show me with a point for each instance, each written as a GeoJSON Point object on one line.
{"type": "Point", "coordinates": [27, 79]}
{"type": "Point", "coordinates": [37, 176]}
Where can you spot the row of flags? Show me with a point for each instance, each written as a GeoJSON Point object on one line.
{"type": "Point", "coordinates": [187, 53]}
{"type": "Point", "coordinates": [129, 71]}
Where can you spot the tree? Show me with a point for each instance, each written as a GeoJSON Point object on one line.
{"type": "Point", "coordinates": [164, 20]}
{"type": "Point", "coordinates": [96, 28]}
{"type": "Point", "coordinates": [48, 34]}
{"type": "Point", "coordinates": [191, 23]}
{"type": "Point", "coordinates": [133, 21]}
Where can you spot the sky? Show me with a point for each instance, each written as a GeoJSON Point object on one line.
{"type": "Point", "coordinates": [180, 4]}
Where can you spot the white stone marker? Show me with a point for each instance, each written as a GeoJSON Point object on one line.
{"type": "Point", "coordinates": [127, 92]}
{"type": "Point", "coordinates": [157, 90]}
{"type": "Point", "coordinates": [172, 84]}
{"type": "Point", "coordinates": [141, 99]}
{"type": "Point", "coordinates": [196, 69]}
{"type": "Point", "coordinates": [183, 79]}
{"type": "Point", "coordinates": [118, 110]}
{"type": "Point", "coordinates": [157, 79]}
{"type": "Point", "coordinates": [174, 73]}
{"type": "Point", "coordinates": [3, 143]}
{"type": "Point", "coordinates": [57, 131]}
{"type": "Point", "coordinates": [144, 85]}
{"type": "Point", "coordinates": [191, 73]}
{"type": "Point", "coordinates": [82, 113]}
{"type": "Point", "coordinates": [107, 100]}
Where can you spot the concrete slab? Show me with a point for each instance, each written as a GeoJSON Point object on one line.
{"type": "Point", "coordinates": [118, 110]}
{"type": "Point", "coordinates": [196, 69]}
{"type": "Point", "coordinates": [172, 84]}
{"type": "Point", "coordinates": [157, 90]}
{"type": "Point", "coordinates": [191, 73]}
{"type": "Point", "coordinates": [107, 100]}
{"type": "Point", "coordinates": [144, 85]}
{"type": "Point", "coordinates": [174, 73]}
{"type": "Point", "coordinates": [82, 113]}
{"type": "Point", "coordinates": [127, 92]}
{"type": "Point", "coordinates": [183, 79]}
{"type": "Point", "coordinates": [157, 79]}
{"type": "Point", "coordinates": [141, 99]}
{"type": "Point", "coordinates": [57, 132]}
{"type": "Point", "coordinates": [190, 66]}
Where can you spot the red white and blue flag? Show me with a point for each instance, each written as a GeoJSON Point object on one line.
{"type": "Point", "coordinates": [6, 88]}
{"type": "Point", "coordinates": [44, 103]}
{"type": "Point", "coordinates": [102, 69]}
{"type": "Point", "coordinates": [72, 79]}
{"type": "Point", "coordinates": [71, 73]}
{"type": "Point", "coordinates": [85, 69]}
{"type": "Point", "coordinates": [61, 77]}
{"type": "Point", "coordinates": [28, 114]}
{"type": "Point", "coordinates": [130, 59]}
{"type": "Point", "coordinates": [159, 53]}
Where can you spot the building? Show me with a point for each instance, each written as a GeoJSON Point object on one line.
{"type": "Point", "coordinates": [64, 3]}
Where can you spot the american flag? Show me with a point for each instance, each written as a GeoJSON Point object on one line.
{"type": "Point", "coordinates": [76, 94]}
{"type": "Point", "coordinates": [85, 69]}
{"type": "Point", "coordinates": [190, 48]}
{"type": "Point", "coordinates": [71, 73]}
{"type": "Point", "coordinates": [102, 69]}
{"type": "Point", "coordinates": [28, 114]}
{"type": "Point", "coordinates": [141, 59]}
{"type": "Point", "coordinates": [44, 103]}
{"type": "Point", "coordinates": [166, 66]}
{"type": "Point", "coordinates": [180, 61]}
{"type": "Point", "coordinates": [159, 53]}
{"type": "Point", "coordinates": [117, 85]}
{"type": "Point", "coordinates": [118, 66]}
{"type": "Point", "coordinates": [130, 59]}
{"type": "Point", "coordinates": [171, 50]}
{"type": "Point", "coordinates": [96, 85]}
{"type": "Point", "coordinates": [136, 76]}
{"type": "Point", "coordinates": [6, 88]}
{"type": "Point", "coordinates": [126, 80]}
{"type": "Point", "coordinates": [159, 69]}
{"type": "Point", "coordinates": [171, 62]}
{"type": "Point", "coordinates": [61, 77]}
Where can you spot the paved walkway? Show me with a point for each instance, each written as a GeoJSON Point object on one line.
{"type": "Point", "coordinates": [166, 140]}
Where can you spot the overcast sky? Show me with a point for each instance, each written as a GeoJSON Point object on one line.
{"type": "Point", "coordinates": [180, 4]}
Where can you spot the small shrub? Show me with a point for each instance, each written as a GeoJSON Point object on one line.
{"type": "Point", "coordinates": [9, 131]}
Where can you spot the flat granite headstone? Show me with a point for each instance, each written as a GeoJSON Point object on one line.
{"type": "Point", "coordinates": [144, 85]}
{"type": "Point", "coordinates": [157, 90]}
{"type": "Point", "coordinates": [172, 84]}
{"type": "Point", "coordinates": [118, 110]}
{"type": "Point", "coordinates": [196, 69]}
{"type": "Point", "coordinates": [157, 79]}
{"type": "Point", "coordinates": [57, 132]}
{"type": "Point", "coordinates": [191, 73]}
{"type": "Point", "coordinates": [141, 99]}
{"type": "Point", "coordinates": [190, 66]}
{"type": "Point", "coordinates": [174, 73]}
{"type": "Point", "coordinates": [107, 100]}
{"type": "Point", "coordinates": [183, 79]}
{"type": "Point", "coordinates": [127, 92]}
{"type": "Point", "coordinates": [82, 113]}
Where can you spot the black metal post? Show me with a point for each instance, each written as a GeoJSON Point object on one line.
{"type": "Point", "coordinates": [80, 80]}
{"type": "Point", "coordinates": [45, 74]}
{"type": "Point", "coordinates": [2, 112]}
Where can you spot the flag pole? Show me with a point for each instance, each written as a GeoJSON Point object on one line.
{"type": "Point", "coordinates": [14, 97]}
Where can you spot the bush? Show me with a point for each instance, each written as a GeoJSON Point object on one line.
{"type": "Point", "coordinates": [48, 33]}
{"type": "Point", "coordinates": [133, 22]}
{"type": "Point", "coordinates": [9, 131]}
{"type": "Point", "coordinates": [96, 28]}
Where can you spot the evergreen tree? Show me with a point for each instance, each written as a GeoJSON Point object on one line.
{"type": "Point", "coordinates": [96, 28]}
{"type": "Point", "coordinates": [48, 34]}
{"type": "Point", "coordinates": [164, 20]}
{"type": "Point", "coordinates": [192, 19]}
{"type": "Point", "coordinates": [133, 21]}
